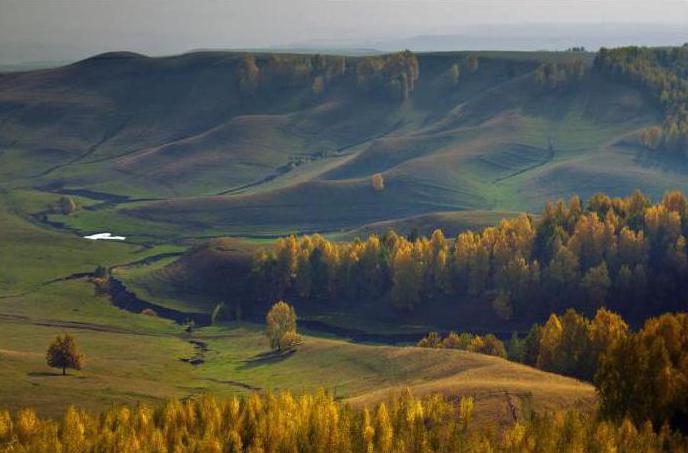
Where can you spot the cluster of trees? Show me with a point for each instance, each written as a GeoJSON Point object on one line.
{"type": "Point", "coordinates": [555, 75]}
{"type": "Point", "coordinates": [308, 423]}
{"type": "Point", "coordinates": [642, 375]}
{"type": "Point", "coordinates": [288, 71]}
{"type": "Point", "coordinates": [390, 76]}
{"type": "Point", "coordinates": [470, 64]}
{"type": "Point", "coordinates": [623, 253]}
{"type": "Point", "coordinates": [488, 344]}
{"type": "Point", "coordinates": [664, 72]}
{"type": "Point", "coordinates": [569, 344]}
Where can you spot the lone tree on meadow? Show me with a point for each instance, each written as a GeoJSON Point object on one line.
{"type": "Point", "coordinates": [281, 327]}
{"type": "Point", "coordinates": [64, 353]}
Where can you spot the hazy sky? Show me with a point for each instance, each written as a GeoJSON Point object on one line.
{"type": "Point", "coordinates": [55, 29]}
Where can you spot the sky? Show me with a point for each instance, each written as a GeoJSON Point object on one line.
{"type": "Point", "coordinates": [32, 30]}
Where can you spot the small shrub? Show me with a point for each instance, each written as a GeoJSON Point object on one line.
{"type": "Point", "coordinates": [149, 312]}
{"type": "Point", "coordinates": [378, 182]}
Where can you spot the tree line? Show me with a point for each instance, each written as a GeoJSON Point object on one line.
{"type": "Point", "coordinates": [639, 375]}
{"type": "Point", "coordinates": [392, 76]}
{"type": "Point", "coordinates": [488, 344]}
{"type": "Point", "coordinates": [664, 73]}
{"type": "Point", "coordinates": [311, 423]}
{"type": "Point", "coordinates": [623, 253]}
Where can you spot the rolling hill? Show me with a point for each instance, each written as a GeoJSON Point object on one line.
{"type": "Point", "coordinates": [174, 149]}
{"type": "Point", "coordinates": [171, 152]}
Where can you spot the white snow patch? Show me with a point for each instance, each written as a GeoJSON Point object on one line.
{"type": "Point", "coordinates": [109, 236]}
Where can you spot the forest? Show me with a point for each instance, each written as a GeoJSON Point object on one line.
{"type": "Point", "coordinates": [626, 254]}
{"type": "Point", "coordinates": [305, 423]}
{"type": "Point", "coordinates": [664, 73]}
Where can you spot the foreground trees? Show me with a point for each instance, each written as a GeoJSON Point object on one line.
{"type": "Point", "coordinates": [64, 353]}
{"type": "Point", "coordinates": [314, 423]}
{"type": "Point", "coordinates": [644, 376]}
{"type": "Point", "coordinates": [281, 327]}
{"type": "Point", "coordinates": [612, 252]}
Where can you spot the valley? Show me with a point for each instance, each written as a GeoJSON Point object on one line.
{"type": "Point", "coordinates": [195, 165]}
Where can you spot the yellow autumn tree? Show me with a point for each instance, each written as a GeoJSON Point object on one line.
{"type": "Point", "coordinates": [281, 326]}
{"type": "Point", "coordinates": [378, 182]}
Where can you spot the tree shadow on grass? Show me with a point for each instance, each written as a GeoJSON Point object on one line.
{"type": "Point", "coordinates": [44, 374]}
{"type": "Point", "coordinates": [266, 358]}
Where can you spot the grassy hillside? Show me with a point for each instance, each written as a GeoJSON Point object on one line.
{"type": "Point", "coordinates": [236, 360]}
{"type": "Point", "coordinates": [175, 150]}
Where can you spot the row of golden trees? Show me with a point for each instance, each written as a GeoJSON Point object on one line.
{"type": "Point", "coordinates": [488, 344]}
{"type": "Point", "coordinates": [392, 76]}
{"type": "Point", "coordinates": [317, 423]}
{"type": "Point", "coordinates": [664, 72]}
{"type": "Point", "coordinates": [623, 253]}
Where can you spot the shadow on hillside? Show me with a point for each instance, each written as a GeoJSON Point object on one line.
{"type": "Point", "coordinates": [660, 160]}
{"type": "Point", "coordinates": [266, 358]}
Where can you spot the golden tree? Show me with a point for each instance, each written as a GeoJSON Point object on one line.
{"type": "Point", "coordinates": [378, 182]}
{"type": "Point", "coordinates": [64, 353]}
{"type": "Point", "coordinates": [281, 326]}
